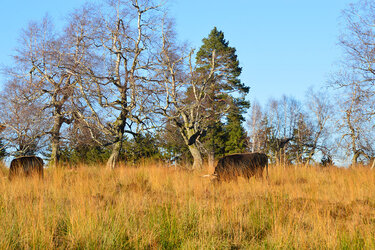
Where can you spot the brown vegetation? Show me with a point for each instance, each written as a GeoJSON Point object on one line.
{"type": "Point", "coordinates": [158, 207]}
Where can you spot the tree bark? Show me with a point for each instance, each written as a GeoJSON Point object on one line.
{"type": "Point", "coordinates": [55, 154]}
{"type": "Point", "coordinates": [119, 127]}
{"type": "Point", "coordinates": [197, 157]}
{"type": "Point", "coordinates": [115, 155]}
{"type": "Point", "coordinates": [190, 136]}
{"type": "Point", "coordinates": [355, 158]}
{"type": "Point", "coordinates": [211, 159]}
{"type": "Point", "coordinates": [55, 140]}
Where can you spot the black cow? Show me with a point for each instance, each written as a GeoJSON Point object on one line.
{"type": "Point", "coordinates": [26, 166]}
{"type": "Point", "coordinates": [246, 165]}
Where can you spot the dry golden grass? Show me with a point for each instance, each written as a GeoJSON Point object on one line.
{"type": "Point", "coordinates": [153, 207]}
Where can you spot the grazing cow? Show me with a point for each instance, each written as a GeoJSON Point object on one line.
{"type": "Point", "coordinates": [246, 165]}
{"type": "Point", "coordinates": [26, 166]}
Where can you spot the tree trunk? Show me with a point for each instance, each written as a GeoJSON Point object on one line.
{"type": "Point", "coordinates": [55, 154]}
{"type": "Point", "coordinates": [355, 159]}
{"type": "Point", "coordinates": [211, 159]}
{"type": "Point", "coordinates": [55, 141]}
{"type": "Point", "coordinates": [211, 150]}
{"type": "Point", "coordinates": [188, 134]}
{"type": "Point", "coordinates": [115, 155]}
{"type": "Point", "coordinates": [119, 126]}
{"type": "Point", "coordinates": [197, 156]}
{"type": "Point", "coordinates": [309, 157]}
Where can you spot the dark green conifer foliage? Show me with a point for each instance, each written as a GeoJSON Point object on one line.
{"type": "Point", "coordinates": [218, 136]}
{"type": "Point", "coordinates": [85, 154]}
{"type": "Point", "coordinates": [142, 147]}
{"type": "Point", "coordinates": [226, 79]}
{"type": "Point", "coordinates": [227, 92]}
{"type": "Point", "coordinates": [236, 139]}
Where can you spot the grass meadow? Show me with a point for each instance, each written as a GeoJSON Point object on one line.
{"type": "Point", "coordinates": [156, 207]}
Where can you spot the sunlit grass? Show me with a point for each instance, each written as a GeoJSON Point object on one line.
{"type": "Point", "coordinates": [158, 207]}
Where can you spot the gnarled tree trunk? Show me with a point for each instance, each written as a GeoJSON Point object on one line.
{"type": "Point", "coordinates": [115, 155]}
{"type": "Point", "coordinates": [197, 157]}
{"type": "Point", "coordinates": [119, 127]}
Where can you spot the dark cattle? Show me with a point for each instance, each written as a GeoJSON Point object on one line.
{"type": "Point", "coordinates": [246, 165]}
{"type": "Point", "coordinates": [26, 166]}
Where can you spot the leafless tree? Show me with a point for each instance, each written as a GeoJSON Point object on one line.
{"type": "Point", "coordinates": [290, 132]}
{"type": "Point", "coordinates": [358, 42]}
{"type": "Point", "coordinates": [320, 113]}
{"type": "Point", "coordinates": [115, 85]}
{"type": "Point", "coordinates": [283, 116]}
{"type": "Point", "coordinates": [45, 63]}
{"type": "Point", "coordinates": [355, 81]}
{"type": "Point", "coordinates": [355, 125]}
{"type": "Point", "coordinates": [184, 93]}
{"type": "Point", "coordinates": [22, 120]}
{"type": "Point", "coordinates": [258, 135]}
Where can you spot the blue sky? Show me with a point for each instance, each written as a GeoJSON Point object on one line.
{"type": "Point", "coordinates": [284, 46]}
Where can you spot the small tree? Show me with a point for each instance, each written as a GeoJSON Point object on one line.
{"type": "Point", "coordinates": [301, 147]}
{"type": "Point", "coordinates": [258, 129]}
{"type": "Point", "coordinates": [282, 120]}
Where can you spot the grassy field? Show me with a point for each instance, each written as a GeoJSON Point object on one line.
{"type": "Point", "coordinates": [154, 207]}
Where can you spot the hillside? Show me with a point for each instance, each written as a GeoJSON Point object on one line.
{"type": "Point", "coordinates": [155, 207]}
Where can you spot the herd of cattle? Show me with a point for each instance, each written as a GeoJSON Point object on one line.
{"type": "Point", "coordinates": [228, 167]}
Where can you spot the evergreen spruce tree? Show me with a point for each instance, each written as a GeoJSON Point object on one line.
{"type": "Point", "coordinates": [218, 136]}
{"type": "Point", "coordinates": [227, 92]}
{"type": "Point", "coordinates": [237, 137]}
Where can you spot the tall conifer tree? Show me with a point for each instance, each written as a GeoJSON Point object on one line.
{"type": "Point", "coordinates": [226, 90]}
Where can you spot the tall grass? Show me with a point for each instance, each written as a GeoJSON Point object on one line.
{"type": "Point", "coordinates": [154, 207]}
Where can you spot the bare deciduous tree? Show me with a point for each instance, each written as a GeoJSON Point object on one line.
{"type": "Point", "coordinates": [356, 80]}
{"type": "Point", "coordinates": [22, 120]}
{"type": "Point", "coordinates": [283, 116]}
{"type": "Point", "coordinates": [45, 63]}
{"type": "Point", "coordinates": [258, 135]}
{"type": "Point", "coordinates": [355, 124]}
{"type": "Point", "coordinates": [320, 111]}
{"type": "Point", "coordinates": [288, 132]}
{"type": "Point", "coordinates": [184, 93]}
{"type": "Point", "coordinates": [115, 86]}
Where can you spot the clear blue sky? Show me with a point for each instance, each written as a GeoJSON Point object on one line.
{"type": "Point", "coordinates": [284, 46]}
